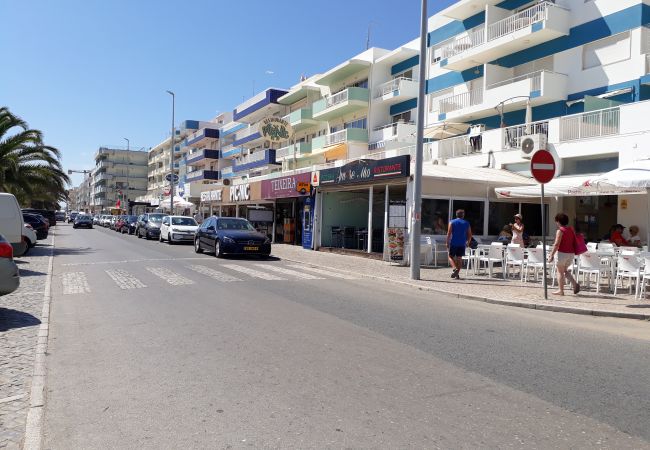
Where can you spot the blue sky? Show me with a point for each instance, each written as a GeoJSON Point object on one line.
{"type": "Point", "coordinates": [90, 72]}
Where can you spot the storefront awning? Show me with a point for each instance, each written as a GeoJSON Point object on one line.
{"type": "Point", "coordinates": [574, 186]}
{"type": "Point", "coordinates": [490, 176]}
{"type": "Point", "coordinates": [339, 151]}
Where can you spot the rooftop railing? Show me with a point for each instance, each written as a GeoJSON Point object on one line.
{"type": "Point", "coordinates": [604, 122]}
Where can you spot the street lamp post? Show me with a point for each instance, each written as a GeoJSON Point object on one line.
{"type": "Point", "coordinates": [171, 158]}
{"type": "Point", "coordinates": [416, 215]}
{"type": "Point", "coordinates": [128, 158]}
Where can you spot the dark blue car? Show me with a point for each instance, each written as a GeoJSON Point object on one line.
{"type": "Point", "coordinates": [232, 236]}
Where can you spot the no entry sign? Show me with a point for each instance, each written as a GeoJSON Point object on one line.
{"type": "Point", "coordinates": [542, 166]}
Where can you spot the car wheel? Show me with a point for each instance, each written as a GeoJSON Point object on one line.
{"type": "Point", "coordinates": [169, 239]}
{"type": "Point", "coordinates": [160, 238]}
{"type": "Point", "coordinates": [139, 235]}
{"type": "Point", "coordinates": [217, 249]}
{"type": "Point", "coordinates": [197, 246]}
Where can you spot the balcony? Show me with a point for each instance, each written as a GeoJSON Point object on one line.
{"type": "Point", "coordinates": [101, 178]}
{"type": "Point", "coordinates": [301, 149]}
{"type": "Point", "coordinates": [540, 87]}
{"type": "Point", "coordinates": [300, 119]}
{"type": "Point", "coordinates": [231, 152]}
{"type": "Point", "coordinates": [466, 8]}
{"type": "Point", "coordinates": [255, 160]}
{"type": "Point", "coordinates": [512, 136]}
{"type": "Point", "coordinates": [398, 131]}
{"type": "Point", "coordinates": [339, 137]}
{"type": "Point", "coordinates": [538, 24]}
{"type": "Point", "coordinates": [199, 175]}
{"type": "Point", "coordinates": [227, 172]}
{"type": "Point", "coordinates": [262, 105]}
{"type": "Point", "coordinates": [342, 103]}
{"type": "Point", "coordinates": [249, 136]}
{"type": "Point", "coordinates": [202, 138]}
{"type": "Point", "coordinates": [396, 91]}
{"type": "Point", "coordinates": [201, 156]}
{"type": "Point", "coordinates": [605, 122]}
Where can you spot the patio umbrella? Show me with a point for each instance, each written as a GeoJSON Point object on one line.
{"type": "Point", "coordinates": [634, 177]}
{"type": "Point", "coordinates": [446, 130]}
{"type": "Point", "coordinates": [178, 203]}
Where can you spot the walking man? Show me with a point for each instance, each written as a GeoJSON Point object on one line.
{"type": "Point", "coordinates": [459, 235]}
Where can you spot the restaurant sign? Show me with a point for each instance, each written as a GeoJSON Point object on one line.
{"type": "Point", "coordinates": [366, 170]}
{"type": "Point", "coordinates": [283, 187]}
{"type": "Point", "coordinates": [240, 193]}
{"type": "Point", "coordinates": [275, 129]}
{"type": "Point", "coordinates": [214, 196]}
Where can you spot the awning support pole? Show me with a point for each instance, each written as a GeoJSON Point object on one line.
{"type": "Point", "coordinates": [370, 196]}
{"type": "Point", "coordinates": [386, 206]}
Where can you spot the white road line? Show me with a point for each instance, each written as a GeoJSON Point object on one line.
{"type": "Point", "coordinates": [128, 261]}
{"type": "Point", "coordinates": [124, 279]}
{"type": "Point", "coordinates": [254, 273]}
{"type": "Point", "coordinates": [293, 273]}
{"type": "Point", "coordinates": [215, 274]}
{"type": "Point", "coordinates": [324, 272]}
{"type": "Point", "coordinates": [75, 283]}
{"type": "Point", "coordinates": [170, 276]}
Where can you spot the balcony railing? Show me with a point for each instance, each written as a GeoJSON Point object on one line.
{"type": "Point", "coordinates": [605, 122]}
{"type": "Point", "coordinates": [257, 156]}
{"type": "Point", "coordinates": [455, 147]}
{"type": "Point", "coordinates": [461, 101]}
{"type": "Point", "coordinates": [519, 21]}
{"type": "Point", "coordinates": [474, 38]}
{"type": "Point", "coordinates": [535, 83]}
{"type": "Point", "coordinates": [390, 86]}
{"type": "Point", "coordinates": [512, 136]}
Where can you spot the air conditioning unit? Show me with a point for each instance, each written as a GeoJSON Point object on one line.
{"type": "Point", "coordinates": [531, 143]}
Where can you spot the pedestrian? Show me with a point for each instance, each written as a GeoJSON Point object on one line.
{"type": "Point", "coordinates": [617, 236]}
{"type": "Point", "coordinates": [459, 235]}
{"type": "Point", "coordinates": [565, 247]}
{"type": "Point", "coordinates": [634, 240]}
{"type": "Point", "coordinates": [518, 230]}
{"type": "Point", "coordinates": [198, 217]}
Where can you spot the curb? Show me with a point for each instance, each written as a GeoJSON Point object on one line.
{"type": "Point", "coordinates": [34, 424]}
{"type": "Point", "coordinates": [496, 301]}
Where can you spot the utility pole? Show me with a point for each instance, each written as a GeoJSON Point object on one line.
{"type": "Point", "coordinates": [171, 158]}
{"type": "Point", "coordinates": [416, 219]}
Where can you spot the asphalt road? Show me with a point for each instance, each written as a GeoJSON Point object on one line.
{"type": "Point", "coordinates": [154, 346]}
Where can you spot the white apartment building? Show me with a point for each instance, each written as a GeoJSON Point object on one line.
{"type": "Point", "coordinates": [119, 174]}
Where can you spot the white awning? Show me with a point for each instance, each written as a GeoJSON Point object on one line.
{"type": "Point", "coordinates": [570, 186]}
{"type": "Point", "coordinates": [494, 177]}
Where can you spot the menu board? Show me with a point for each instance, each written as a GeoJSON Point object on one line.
{"type": "Point", "coordinates": [396, 244]}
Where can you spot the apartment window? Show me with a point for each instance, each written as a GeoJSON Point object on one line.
{"type": "Point", "coordinates": [406, 74]}
{"type": "Point", "coordinates": [403, 117]}
{"type": "Point", "coordinates": [435, 216]}
{"type": "Point", "coordinates": [360, 84]}
{"type": "Point", "coordinates": [359, 123]}
{"type": "Point", "coordinates": [606, 51]}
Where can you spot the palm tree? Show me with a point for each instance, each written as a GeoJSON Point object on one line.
{"type": "Point", "coordinates": [29, 169]}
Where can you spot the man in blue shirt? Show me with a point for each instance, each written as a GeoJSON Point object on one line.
{"type": "Point", "coordinates": [459, 235]}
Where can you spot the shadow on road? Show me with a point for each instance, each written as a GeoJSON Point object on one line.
{"type": "Point", "coordinates": [10, 318]}
{"type": "Point", "coordinates": [73, 251]}
{"type": "Point", "coordinates": [30, 273]}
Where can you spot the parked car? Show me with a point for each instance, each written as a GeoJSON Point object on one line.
{"type": "Point", "coordinates": [230, 235]}
{"type": "Point", "coordinates": [29, 235]}
{"type": "Point", "coordinates": [83, 221]}
{"type": "Point", "coordinates": [149, 225]}
{"type": "Point", "coordinates": [38, 223]}
{"type": "Point", "coordinates": [11, 223]}
{"type": "Point", "coordinates": [9, 274]}
{"type": "Point", "coordinates": [60, 216]}
{"type": "Point", "coordinates": [105, 220]}
{"type": "Point", "coordinates": [114, 221]}
{"type": "Point", "coordinates": [72, 216]}
{"type": "Point", "coordinates": [178, 229]}
{"type": "Point", "coordinates": [129, 224]}
{"type": "Point", "coordinates": [96, 218]}
{"type": "Point", "coordinates": [50, 215]}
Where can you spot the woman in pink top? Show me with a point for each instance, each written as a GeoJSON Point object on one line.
{"type": "Point", "coordinates": [518, 231]}
{"type": "Point", "coordinates": [564, 246]}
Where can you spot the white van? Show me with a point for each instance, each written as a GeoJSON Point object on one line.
{"type": "Point", "coordinates": [11, 223]}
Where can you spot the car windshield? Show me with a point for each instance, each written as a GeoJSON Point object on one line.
{"type": "Point", "coordinates": [156, 219]}
{"type": "Point", "coordinates": [132, 219]}
{"type": "Point", "coordinates": [235, 224]}
{"type": "Point", "coordinates": [183, 221]}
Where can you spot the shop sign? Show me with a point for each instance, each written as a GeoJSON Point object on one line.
{"type": "Point", "coordinates": [275, 129]}
{"type": "Point", "coordinates": [291, 186]}
{"type": "Point", "coordinates": [215, 196]}
{"type": "Point", "coordinates": [205, 196]}
{"type": "Point", "coordinates": [366, 170]}
{"type": "Point", "coordinates": [240, 193]}
{"type": "Point", "coordinates": [315, 178]}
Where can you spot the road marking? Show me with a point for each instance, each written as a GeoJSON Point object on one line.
{"type": "Point", "coordinates": [124, 279]}
{"type": "Point", "coordinates": [170, 276]}
{"type": "Point", "coordinates": [75, 283]}
{"type": "Point", "coordinates": [128, 261]}
{"type": "Point", "coordinates": [215, 274]}
{"type": "Point", "coordinates": [253, 273]}
{"type": "Point", "coordinates": [324, 272]}
{"type": "Point", "coordinates": [294, 273]}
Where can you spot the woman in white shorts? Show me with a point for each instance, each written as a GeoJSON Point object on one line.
{"type": "Point", "coordinates": [564, 246]}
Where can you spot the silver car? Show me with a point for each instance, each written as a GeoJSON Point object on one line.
{"type": "Point", "coordinates": [9, 275]}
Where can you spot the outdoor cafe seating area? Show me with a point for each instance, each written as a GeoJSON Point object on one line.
{"type": "Point", "coordinates": [604, 268]}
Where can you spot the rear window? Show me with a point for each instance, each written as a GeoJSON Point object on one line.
{"type": "Point", "coordinates": [183, 221]}
{"type": "Point", "coordinates": [156, 218]}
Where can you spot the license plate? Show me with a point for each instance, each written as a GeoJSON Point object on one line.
{"type": "Point", "coordinates": [254, 249]}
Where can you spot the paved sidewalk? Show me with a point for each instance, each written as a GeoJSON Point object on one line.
{"type": "Point", "coordinates": [20, 314]}
{"type": "Point", "coordinates": [493, 290]}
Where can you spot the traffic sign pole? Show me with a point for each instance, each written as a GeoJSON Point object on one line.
{"type": "Point", "coordinates": [544, 245]}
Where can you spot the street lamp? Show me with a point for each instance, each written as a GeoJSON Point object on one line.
{"type": "Point", "coordinates": [171, 158]}
{"type": "Point", "coordinates": [128, 144]}
{"type": "Point", "coordinates": [416, 219]}
{"type": "Point", "coordinates": [128, 161]}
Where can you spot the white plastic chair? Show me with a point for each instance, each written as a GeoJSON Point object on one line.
{"type": "Point", "coordinates": [426, 250]}
{"type": "Point", "coordinates": [535, 261]}
{"type": "Point", "coordinates": [592, 246]}
{"type": "Point", "coordinates": [515, 258]}
{"type": "Point", "coordinates": [470, 257]}
{"type": "Point", "coordinates": [606, 246]}
{"type": "Point", "coordinates": [439, 248]}
{"type": "Point", "coordinates": [629, 266]}
{"type": "Point", "coordinates": [630, 250]}
{"type": "Point", "coordinates": [645, 274]}
{"type": "Point", "coordinates": [495, 255]}
{"type": "Point", "coordinates": [589, 265]}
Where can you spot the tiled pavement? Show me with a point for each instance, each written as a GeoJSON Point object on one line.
{"type": "Point", "coordinates": [480, 287]}
{"type": "Point", "coordinates": [19, 325]}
